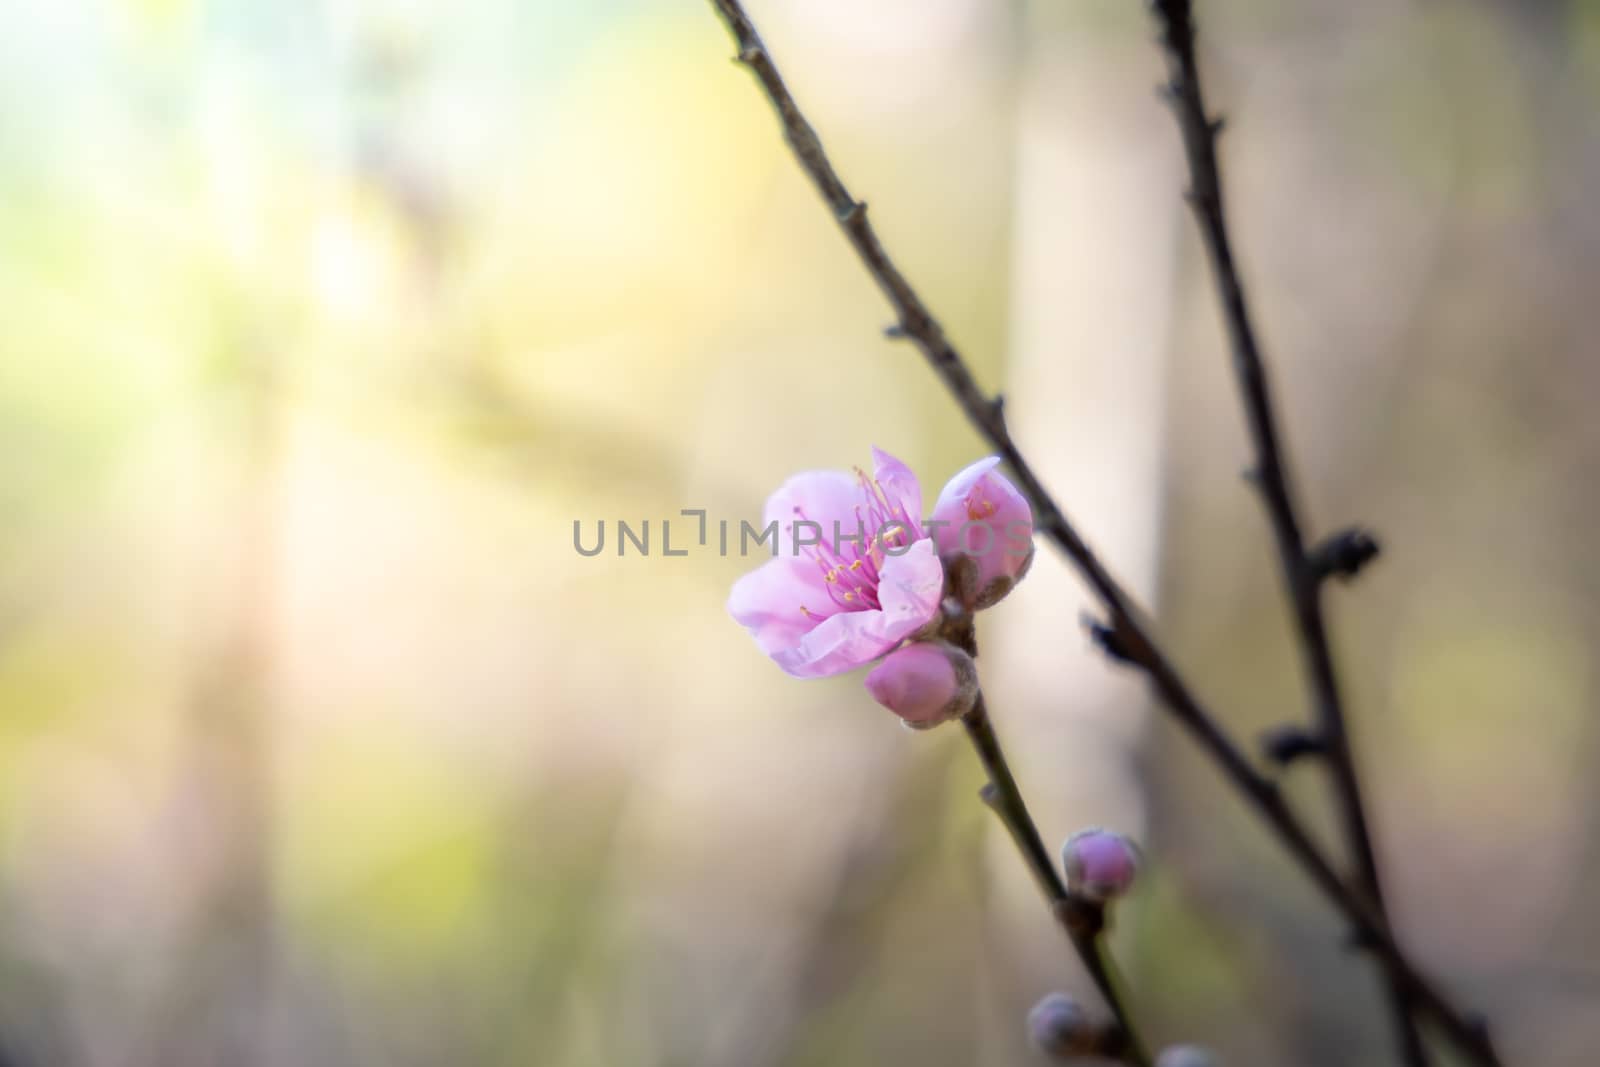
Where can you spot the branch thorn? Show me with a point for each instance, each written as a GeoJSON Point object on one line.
{"type": "Point", "coordinates": [1107, 637]}
{"type": "Point", "coordinates": [1360, 941]}
{"type": "Point", "coordinates": [1344, 554]}
{"type": "Point", "coordinates": [1287, 743]}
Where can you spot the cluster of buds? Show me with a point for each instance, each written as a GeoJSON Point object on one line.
{"type": "Point", "coordinates": [978, 526]}
{"type": "Point", "coordinates": [1100, 866]}
{"type": "Point", "coordinates": [889, 587]}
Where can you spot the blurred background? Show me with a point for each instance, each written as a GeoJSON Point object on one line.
{"type": "Point", "coordinates": [323, 323]}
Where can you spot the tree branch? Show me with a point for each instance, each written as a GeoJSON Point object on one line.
{"type": "Point", "coordinates": [1303, 571]}
{"type": "Point", "coordinates": [1133, 641]}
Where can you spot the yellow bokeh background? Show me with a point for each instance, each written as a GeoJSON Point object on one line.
{"type": "Point", "coordinates": [322, 324]}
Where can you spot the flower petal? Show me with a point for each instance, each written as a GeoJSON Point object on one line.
{"type": "Point", "coordinates": [951, 506]}
{"type": "Point", "coordinates": [909, 588]}
{"type": "Point", "coordinates": [767, 602]}
{"type": "Point", "coordinates": [900, 485]}
{"type": "Point", "coordinates": [909, 591]}
{"type": "Point", "coordinates": [823, 497]}
{"type": "Point", "coordinates": [840, 643]}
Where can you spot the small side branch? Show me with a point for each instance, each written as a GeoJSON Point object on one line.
{"type": "Point", "coordinates": [1083, 919]}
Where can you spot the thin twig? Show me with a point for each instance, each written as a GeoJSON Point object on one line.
{"type": "Point", "coordinates": [1083, 919]}
{"type": "Point", "coordinates": [1133, 642]}
{"type": "Point", "coordinates": [1302, 575]}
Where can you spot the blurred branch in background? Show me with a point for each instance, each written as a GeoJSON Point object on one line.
{"type": "Point", "coordinates": [1304, 570]}
{"type": "Point", "coordinates": [878, 866]}
{"type": "Point", "coordinates": [224, 998]}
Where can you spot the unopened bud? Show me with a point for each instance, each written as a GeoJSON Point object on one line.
{"type": "Point", "coordinates": [982, 515]}
{"type": "Point", "coordinates": [925, 683]}
{"type": "Point", "coordinates": [1100, 863]}
{"type": "Point", "coordinates": [1059, 1026]}
{"type": "Point", "coordinates": [1186, 1056]}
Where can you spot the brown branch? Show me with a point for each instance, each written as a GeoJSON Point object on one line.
{"type": "Point", "coordinates": [1132, 640]}
{"type": "Point", "coordinates": [1303, 571]}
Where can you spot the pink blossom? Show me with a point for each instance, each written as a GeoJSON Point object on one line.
{"type": "Point", "coordinates": [981, 513]}
{"type": "Point", "coordinates": [925, 682]}
{"type": "Point", "coordinates": [873, 579]}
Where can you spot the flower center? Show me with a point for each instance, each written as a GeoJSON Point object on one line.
{"type": "Point", "coordinates": [851, 561]}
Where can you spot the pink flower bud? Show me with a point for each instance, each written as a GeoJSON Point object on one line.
{"type": "Point", "coordinates": [981, 513]}
{"type": "Point", "coordinates": [925, 683]}
{"type": "Point", "coordinates": [1186, 1056]}
{"type": "Point", "coordinates": [1060, 1027]}
{"type": "Point", "coordinates": [1100, 863]}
